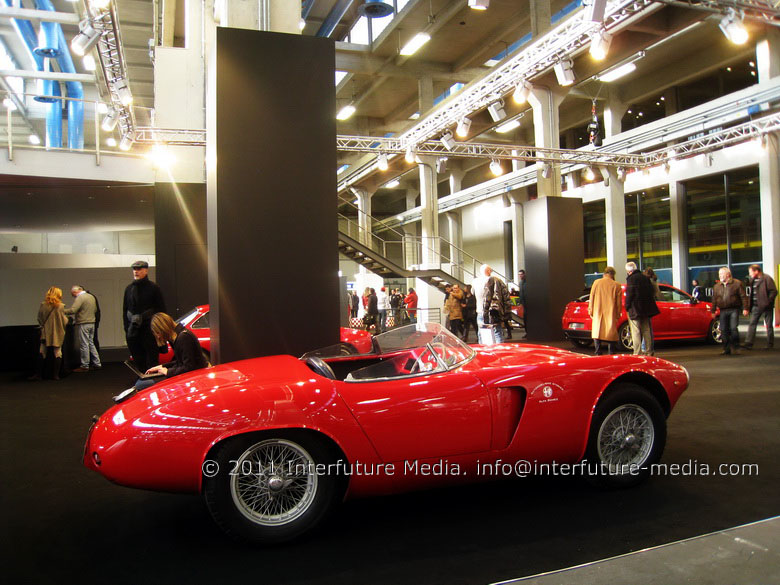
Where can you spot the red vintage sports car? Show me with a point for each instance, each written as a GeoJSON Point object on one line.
{"type": "Point", "coordinates": [197, 321]}
{"type": "Point", "coordinates": [681, 317]}
{"type": "Point", "coordinates": [275, 443]}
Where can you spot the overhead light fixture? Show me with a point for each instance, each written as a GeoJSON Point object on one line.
{"type": "Point", "coordinates": [392, 184]}
{"type": "Point", "coordinates": [508, 126]}
{"type": "Point", "coordinates": [161, 156]}
{"type": "Point", "coordinates": [621, 174]}
{"type": "Point", "coordinates": [447, 140]}
{"type": "Point", "coordinates": [546, 170]}
{"type": "Point", "coordinates": [301, 24]}
{"type": "Point", "coordinates": [463, 127]}
{"type": "Point", "coordinates": [522, 91]}
{"type": "Point", "coordinates": [479, 4]}
{"type": "Point", "coordinates": [733, 27]}
{"type": "Point", "coordinates": [111, 141]}
{"type": "Point", "coordinates": [34, 139]}
{"type": "Point", "coordinates": [441, 164]}
{"type": "Point", "coordinates": [410, 156]}
{"type": "Point", "coordinates": [621, 69]}
{"type": "Point", "coordinates": [346, 112]}
{"type": "Point", "coordinates": [599, 44]}
{"type": "Point", "coordinates": [88, 61]}
{"type": "Point", "coordinates": [102, 108]}
{"type": "Point", "coordinates": [100, 4]}
{"type": "Point", "coordinates": [123, 92]}
{"type": "Point", "coordinates": [496, 168]}
{"type": "Point", "coordinates": [589, 174]}
{"type": "Point", "coordinates": [110, 121]}
{"type": "Point", "coordinates": [375, 8]}
{"type": "Point", "coordinates": [496, 111]}
{"type": "Point", "coordinates": [415, 43]}
{"type": "Point", "coordinates": [126, 143]}
{"type": "Point", "coordinates": [86, 38]}
{"type": "Point", "coordinates": [381, 162]}
{"type": "Point", "coordinates": [596, 9]}
{"type": "Point", "coordinates": [564, 72]}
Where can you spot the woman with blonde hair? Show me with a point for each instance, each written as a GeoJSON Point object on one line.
{"type": "Point", "coordinates": [52, 320]}
{"type": "Point", "coordinates": [187, 354]}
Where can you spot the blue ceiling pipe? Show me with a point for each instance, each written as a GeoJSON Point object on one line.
{"type": "Point", "coordinates": [52, 43]}
{"type": "Point", "coordinates": [334, 17]}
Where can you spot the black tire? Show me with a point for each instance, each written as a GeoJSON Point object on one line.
{"type": "Point", "coordinates": [347, 349]}
{"type": "Point", "coordinates": [624, 337]}
{"type": "Point", "coordinates": [240, 498]}
{"type": "Point", "coordinates": [581, 342]}
{"type": "Point", "coordinates": [713, 333]}
{"type": "Point", "coordinates": [617, 458]}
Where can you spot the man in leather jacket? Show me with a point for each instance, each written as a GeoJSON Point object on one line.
{"type": "Point", "coordinates": [729, 296]}
{"type": "Point", "coordinates": [143, 298]}
{"type": "Point", "coordinates": [763, 293]}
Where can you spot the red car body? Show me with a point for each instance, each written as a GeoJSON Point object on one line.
{"type": "Point", "coordinates": [681, 317]}
{"type": "Point", "coordinates": [197, 321]}
{"type": "Point", "coordinates": [486, 405]}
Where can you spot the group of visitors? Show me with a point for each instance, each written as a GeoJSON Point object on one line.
{"type": "Point", "coordinates": [148, 331]}
{"type": "Point", "coordinates": [383, 309]}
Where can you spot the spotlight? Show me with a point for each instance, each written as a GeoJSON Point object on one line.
{"type": "Point", "coordinates": [100, 4]}
{"type": "Point", "coordinates": [86, 38]}
{"type": "Point", "coordinates": [89, 63]}
{"type": "Point", "coordinates": [732, 26]}
{"type": "Point", "coordinates": [589, 174]}
{"type": "Point", "coordinates": [34, 139]}
{"type": "Point", "coordinates": [415, 43]}
{"type": "Point", "coordinates": [110, 121]}
{"type": "Point", "coordinates": [496, 111]}
{"type": "Point", "coordinates": [409, 156]}
{"type": "Point", "coordinates": [599, 44]}
{"type": "Point", "coordinates": [564, 72]}
{"type": "Point", "coordinates": [102, 108]}
{"type": "Point", "coordinates": [346, 112]}
{"type": "Point", "coordinates": [441, 164]}
{"type": "Point", "coordinates": [111, 141]}
{"type": "Point", "coordinates": [301, 24]}
{"type": "Point", "coordinates": [126, 143]}
{"type": "Point", "coordinates": [522, 91]}
{"type": "Point", "coordinates": [496, 168]}
{"type": "Point", "coordinates": [479, 4]}
{"type": "Point", "coordinates": [463, 127]}
{"type": "Point", "coordinates": [160, 156]}
{"type": "Point", "coordinates": [123, 93]}
{"type": "Point", "coordinates": [621, 174]}
{"type": "Point", "coordinates": [447, 140]}
{"type": "Point", "coordinates": [546, 170]}
{"type": "Point", "coordinates": [381, 162]}
{"type": "Point", "coordinates": [596, 10]}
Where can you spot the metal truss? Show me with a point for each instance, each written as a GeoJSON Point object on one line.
{"type": "Point", "coordinates": [492, 151]}
{"type": "Point", "coordinates": [760, 10]}
{"type": "Point", "coordinates": [174, 137]}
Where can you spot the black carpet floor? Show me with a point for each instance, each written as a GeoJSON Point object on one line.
{"type": "Point", "coordinates": [64, 524]}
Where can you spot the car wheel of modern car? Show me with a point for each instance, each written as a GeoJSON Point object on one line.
{"type": "Point", "coordinates": [269, 489]}
{"type": "Point", "coordinates": [627, 436]}
{"type": "Point", "coordinates": [624, 337]}
{"type": "Point", "coordinates": [713, 334]}
{"type": "Point", "coordinates": [581, 342]}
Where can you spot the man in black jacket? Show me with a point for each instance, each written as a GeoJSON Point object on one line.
{"type": "Point", "coordinates": [641, 307]}
{"type": "Point", "coordinates": [143, 298]}
{"type": "Point", "coordinates": [763, 293]}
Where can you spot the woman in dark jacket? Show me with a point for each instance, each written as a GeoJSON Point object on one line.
{"type": "Point", "coordinates": [187, 353]}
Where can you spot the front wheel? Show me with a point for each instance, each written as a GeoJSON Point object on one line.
{"type": "Point", "coordinates": [624, 337]}
{"type": "Point", "coordinates": [713, 333]}
{"type": "Point", "coordinates": [627, 436]}
{"type": "Point", "coordinates": [269, 489]}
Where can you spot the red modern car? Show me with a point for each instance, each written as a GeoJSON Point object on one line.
{"type": "Point", "coordinates": [681, 317]}
{"type": "Point", "coordinates": [275, 443]}
{"type": "Point", "coordinates": [197, 321]}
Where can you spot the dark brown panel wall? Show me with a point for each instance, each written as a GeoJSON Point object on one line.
{"type": "Point", "coordinates": [271, 159]}
{"type": "Point", "coordinates": [554, 258]}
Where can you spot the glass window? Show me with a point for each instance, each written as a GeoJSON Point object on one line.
{"type": "Point", "coordinates": [648, 228]}
{"type": "Point", "coordinates": [595, 224]}
{"type": "Point", "coordinates": [359, 33]}
{"type": "Point", "coordinates": [380, 24]}
{"type": "Point", "coordinates": [672, 295]}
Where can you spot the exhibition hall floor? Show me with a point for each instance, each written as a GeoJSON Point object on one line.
{"type": "Point", "coordinates": [64, 524]}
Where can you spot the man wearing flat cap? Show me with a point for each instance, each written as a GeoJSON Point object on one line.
{"type": "Point", "coordinates": [143, 298]}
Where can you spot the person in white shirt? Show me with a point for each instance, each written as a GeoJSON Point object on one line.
{"type": "Point", "coordinates": [383, 304]}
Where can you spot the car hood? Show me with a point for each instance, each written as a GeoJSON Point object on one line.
{"type": "Point", "coordinates": [491, 356]}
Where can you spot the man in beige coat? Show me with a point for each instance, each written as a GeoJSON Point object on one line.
{"type": "Point", "coordinates": [604, 307]}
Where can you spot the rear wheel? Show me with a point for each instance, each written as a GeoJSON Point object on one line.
{"type": "Point", "coordinates": [268, 488]}
{"type": "Point", "coordinates": [624, 337]}
{"type": "Point", "coordinates": [713, 334]}
{"type": "Point", "coordinates": [627, 436]}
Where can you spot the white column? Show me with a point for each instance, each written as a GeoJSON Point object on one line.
{"type": "Point", "coordinates": [768, 55]}
{"type": "Point", "coordinates": [429, 203]}
{"type": "Point", "coordinates": [518, 231]}
{"type": "Point", "coordinates": [540, 17]}
{"type": "Point", "coordinates": [364, 215]}
{"type": "Point", "coordinates": [456, 180]}
{"type": "Point", "coordinates": [679, 231]}
{"type": "Point", "coordinates": [545, 104]}
{"type": "Point", "coordinates": [455, 229]}
{"type": "Point", "coordinates": [614, 110]}
{"type": "Point", "coordinates": [425, 93]}
{"type": "Point", "coordinates": [615, 207]}
{"type": "Point", "coordinates": [271, 15]}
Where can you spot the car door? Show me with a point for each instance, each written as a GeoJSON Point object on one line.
{"type": "Point", "coordinates": [424, 416]}
{"type": "Point", "coordinates": [682, 320]}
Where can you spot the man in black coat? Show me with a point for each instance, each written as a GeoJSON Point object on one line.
{"type": "Point", "coordinates": [143, 298]}
{"type": "Point", "coordinates": [641, 307]}
{"type": "Point", "coordinates": [763, 293]}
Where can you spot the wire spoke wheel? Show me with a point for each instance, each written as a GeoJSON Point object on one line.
{"type": "Point", "coordinates": [273, 482]}
{"type": "Point", "coordinates": [625, 439]}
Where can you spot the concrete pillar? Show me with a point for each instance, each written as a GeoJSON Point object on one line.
{"type": "Point", "coordinates": [456, 180]}
{"type": "Point", "coordinates": [768, 55]}
{"type": "Point", "coordinates": [364, 215]}
{"type": "Point", "coordinates": [670, 101]}
{"type": "Point", "coordinates": [455, 232]}
{"type": "Point", "coordinates": [545, 102]}
{"type": "Point", "coordinates": [615, 207]}
{"type": "Point", "coordinates": [769, 181]}
{"type": "Point", "coordinates": [679, 229]}
{"type": "Point", "coordinates": [425, 94]}
{"type": "Point", "coordinates": [429, 203]}
{"type": "Point", "coordinates": [271, 15]}
{"type": "Point", "coordinates": [518, 231]}
{"type": "Point", "coordinates": [614, 110]}
{"type": "Point", "coordinates": [540, 17]}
